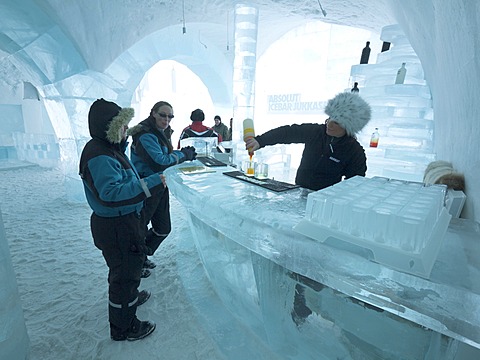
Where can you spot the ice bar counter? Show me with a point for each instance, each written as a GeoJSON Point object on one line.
{"type": "Point", "coordinates": [366, 269]}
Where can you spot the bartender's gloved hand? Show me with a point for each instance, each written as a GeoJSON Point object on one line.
{"type": "Point", "coordinates": [252, 144]}
{"type": "Point", "coordinates": [189, 152]}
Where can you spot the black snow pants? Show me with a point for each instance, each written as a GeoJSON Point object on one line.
{"type": "Point", "coordinates": [157, 212]}
{"type": "Point", "coordinates": [122, 242]}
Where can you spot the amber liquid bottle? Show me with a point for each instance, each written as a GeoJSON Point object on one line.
{"type": "Point", "coordinates": [374, 139]}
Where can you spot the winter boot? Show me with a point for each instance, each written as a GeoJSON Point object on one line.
{"type": "Point", "coordinates": [138, 330]}
{"type": "Point", "coordinates": [145, 273]}
{"type": "Point", "coordinates": [143, 296]}
{"type": "Point", "coordinates": [148, 264]}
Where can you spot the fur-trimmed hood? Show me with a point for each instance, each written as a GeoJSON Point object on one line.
{"type": "Point", "coordinates": [350, 111]}
{"type": "Point", "coordinates": [105, 119]}
{"type": "Point", "coordinates": [145, 125]}
{"type": "Point", "coordinates": [135, 130]}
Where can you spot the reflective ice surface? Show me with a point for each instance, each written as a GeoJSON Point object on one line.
{"type": "Point", "coordinates": [254, 258]}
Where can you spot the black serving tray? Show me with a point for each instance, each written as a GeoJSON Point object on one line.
{"type": "Point", "coordinates": [269, 184]}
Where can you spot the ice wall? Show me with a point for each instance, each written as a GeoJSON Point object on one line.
{"type": "Point", "coordinates": [14, 341]}
{"type": "Point", "coordinates": [26, 133]}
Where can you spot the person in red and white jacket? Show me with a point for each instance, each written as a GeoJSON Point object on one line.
{"type": "Point", "coordinates": [197, 129]}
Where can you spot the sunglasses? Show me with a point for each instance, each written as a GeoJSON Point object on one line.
{"type": "Point", "coordinates": [163, 115]}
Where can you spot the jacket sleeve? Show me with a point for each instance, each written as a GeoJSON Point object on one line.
{"type": "Point", "coordinates": [358, 162]}
{"type": "Point", "coordinates": [158, 153]}
{"type": "Point", "coordinates": [117, 186]}
{"type": "Point", "coordinates": [288, 134]}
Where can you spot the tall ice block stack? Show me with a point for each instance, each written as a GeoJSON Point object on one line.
{"type": "Point", "coordinates": [400, 223]}
{"type": "Point", "coordinates": [403, 113]}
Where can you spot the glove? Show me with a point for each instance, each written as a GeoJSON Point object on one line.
{"type": "Point", "coordinates": [189, 152]}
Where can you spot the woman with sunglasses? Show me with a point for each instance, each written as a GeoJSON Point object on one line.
{"type": "Point", "coordinates": [152, 152]}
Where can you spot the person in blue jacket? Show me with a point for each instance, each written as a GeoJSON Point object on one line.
{"type": "Point", "coordinates": [116, 194]}
{"type": "Point", "coordinates": [152, 152]}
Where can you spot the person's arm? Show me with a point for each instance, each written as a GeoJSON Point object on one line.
{"type": "Point", "coordinates": [288, 134]}
{"type": "Point", "coordinates": [117, 186]}
{"type": "Point", "coordinates": [358, 162]}
{"type": "Point", "coordinates": [158, 153]}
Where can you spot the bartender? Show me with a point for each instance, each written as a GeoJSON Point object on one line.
{"type": "Point", "coordinates": [331, 149]}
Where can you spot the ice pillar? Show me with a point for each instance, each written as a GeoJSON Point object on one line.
{"type": "Point", "coordinates": [244, 64]}
{"type": "Point", "coordinates": [14, 341]}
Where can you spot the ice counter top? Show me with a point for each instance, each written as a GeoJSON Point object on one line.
{"type": "Point", "coordinates": [263, 221]}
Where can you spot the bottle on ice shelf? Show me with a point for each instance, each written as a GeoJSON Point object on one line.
{"type": "Point", "coordinates": [401, 74]}
{"type": "Point", "coordinates": [374, 139]}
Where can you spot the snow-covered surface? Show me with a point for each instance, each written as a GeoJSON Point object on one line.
{"type": "Point", "coordinates": [62, 279]}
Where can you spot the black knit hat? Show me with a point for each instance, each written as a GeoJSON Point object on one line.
{"type": "Point", "coordinates": [197, 115]}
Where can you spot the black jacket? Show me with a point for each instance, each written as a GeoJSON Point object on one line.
{"type": "Point", "coordinates": [325, 159]}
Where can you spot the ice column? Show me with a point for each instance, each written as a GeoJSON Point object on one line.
{"type": "Point", "coordinates": [14, 341]}
{"type": "Point", "coordinates": [244, 64]}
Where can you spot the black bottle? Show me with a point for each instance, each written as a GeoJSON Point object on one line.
{"type": "Point", "coordinates": [365, 54]}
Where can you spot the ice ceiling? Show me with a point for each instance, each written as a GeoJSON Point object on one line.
{"type": "Point", "coordinates": [85, 49]}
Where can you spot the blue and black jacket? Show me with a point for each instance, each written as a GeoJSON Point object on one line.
{"type": "Point", "coordinates": [151, 151]}
{"type": "Point", "coordinates": [112, 185]}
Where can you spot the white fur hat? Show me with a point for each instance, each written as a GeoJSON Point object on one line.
{"type": "Point", "coordinates": [350, 111]}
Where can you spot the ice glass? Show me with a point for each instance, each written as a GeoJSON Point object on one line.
{"type": "Point", "coordinates": [339, 213]}
{"type": "Point", "coordinates": [261, 171]}
{"type": "Point", "coordinates": [248, 167]}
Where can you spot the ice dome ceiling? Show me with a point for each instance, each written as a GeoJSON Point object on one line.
{"type": "Point", "coordinates": [92, 27]}
{"type": "Point", "coordinates": [45, 42]}
{"type": "Point", "coordinates": [86, 49]}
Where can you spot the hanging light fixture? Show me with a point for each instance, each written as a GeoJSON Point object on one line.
{"type": "Point", "coordinates": [228, 41]}
{"type": "Point", "coordinates": [321, 8]}
{"type": "Point", "coordinates": [184, 29]}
